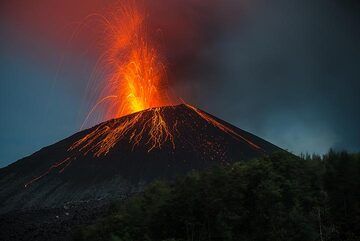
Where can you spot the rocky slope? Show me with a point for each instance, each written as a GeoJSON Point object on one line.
{"type": "Point", "coordinates": [118, 157]}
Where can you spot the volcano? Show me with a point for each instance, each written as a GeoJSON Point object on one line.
{"type": "Point", "coordinates": [118, 157]}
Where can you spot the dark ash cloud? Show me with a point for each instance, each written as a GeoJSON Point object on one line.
{"type": "Point", "coordinates": [285, 70]}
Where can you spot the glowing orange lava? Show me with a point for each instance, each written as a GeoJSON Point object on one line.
{"type": "Point", "coordinates": [137, 78]}
{"type": "Point", "coordinates": [133, 128]}
{"type": "Point", "coordinates": [222, 127]}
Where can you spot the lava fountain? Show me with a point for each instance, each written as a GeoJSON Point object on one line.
{"type": "Point", "coordinates": [137, 73]}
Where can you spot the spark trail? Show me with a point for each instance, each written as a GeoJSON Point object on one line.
{"type": "Point", "coordinates": [222, 127]}
{"type": "Point", "coordinates": [135, 73]}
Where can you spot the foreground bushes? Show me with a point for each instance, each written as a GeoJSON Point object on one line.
{"type": "Point", "coordinates": [281, 197]}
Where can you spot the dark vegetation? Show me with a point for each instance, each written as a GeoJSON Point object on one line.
{"type": "Point", "coordinates": [281, 197]}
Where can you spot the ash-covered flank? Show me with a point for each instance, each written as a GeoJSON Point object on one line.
{"type": "Point", "coordinates": [120, 156]}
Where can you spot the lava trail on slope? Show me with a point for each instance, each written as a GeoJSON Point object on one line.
{"type": "Point", "coordinates": [119, 156]}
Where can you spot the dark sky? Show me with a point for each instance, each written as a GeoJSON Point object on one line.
{"type": "Point", "coordinates": [285, 70]}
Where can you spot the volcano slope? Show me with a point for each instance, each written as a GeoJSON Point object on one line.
{"type": "Point", "coordinates": [118, 157]}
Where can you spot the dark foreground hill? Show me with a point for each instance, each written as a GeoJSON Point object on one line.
{"type": "Point", "coordinates": [118, 157]}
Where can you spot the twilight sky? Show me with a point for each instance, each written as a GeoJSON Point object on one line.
{"type": "Point", "coordinates": [285, 70]}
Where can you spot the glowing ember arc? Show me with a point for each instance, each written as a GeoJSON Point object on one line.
{"type": "Point", "coordinates": [136, 75]}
